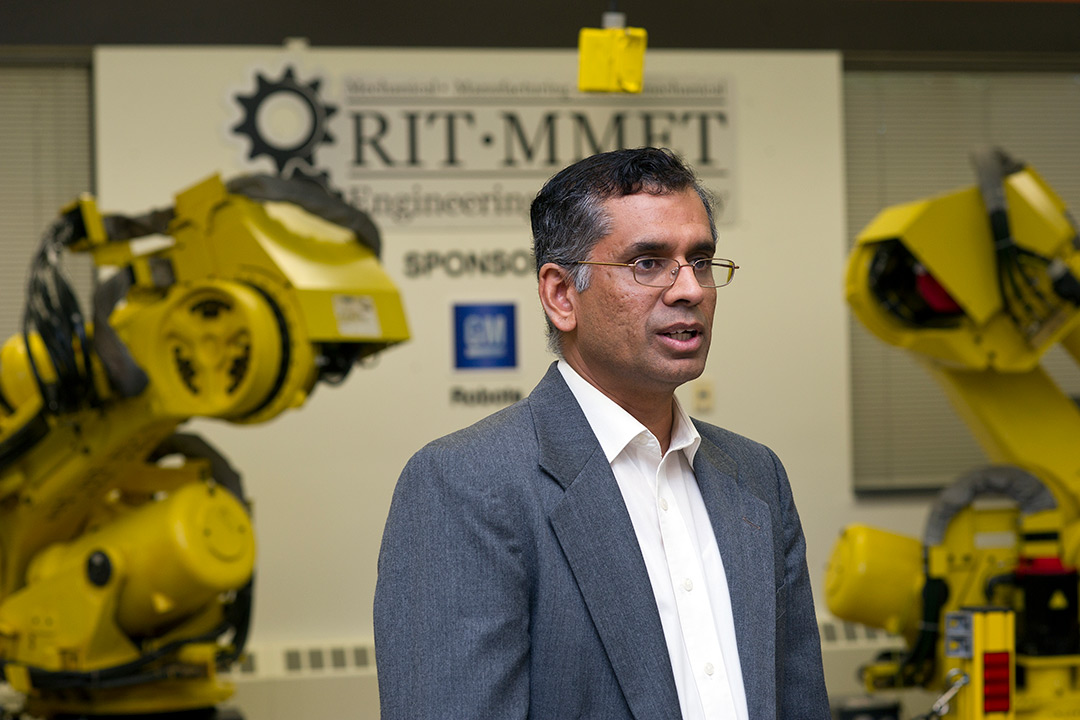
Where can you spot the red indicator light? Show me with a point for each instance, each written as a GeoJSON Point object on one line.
{"type": "Point", "coordinates": [996, 682]}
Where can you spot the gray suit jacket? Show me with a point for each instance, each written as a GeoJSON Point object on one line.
{"type": "Point", "coordinates": [511, 584]}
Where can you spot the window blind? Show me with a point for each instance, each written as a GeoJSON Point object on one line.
{"type": "Point", "coordinates": [45, 162]}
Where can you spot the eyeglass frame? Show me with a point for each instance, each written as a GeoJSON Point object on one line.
{"type": "Point", "coordinates": [715, 262]}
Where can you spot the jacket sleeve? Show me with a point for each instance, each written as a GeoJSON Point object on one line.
{"type": "Point", "coordinates": [800, 679]}
{"type": "Point", "coordinates": [452, 597]}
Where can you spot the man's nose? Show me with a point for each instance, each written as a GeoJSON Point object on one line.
{"type": "Point", "coordinates": [686, 286]}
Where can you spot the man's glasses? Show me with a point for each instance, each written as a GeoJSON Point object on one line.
{"type": "Point", "coordinates": [662, 272]}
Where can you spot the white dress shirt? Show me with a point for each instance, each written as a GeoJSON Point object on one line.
{"type": "Point", "coordinates": [680, 551]}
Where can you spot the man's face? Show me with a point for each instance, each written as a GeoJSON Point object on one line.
{"type": "Point", "coordinates": [634, 341]}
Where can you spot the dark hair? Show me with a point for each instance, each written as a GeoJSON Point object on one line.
{"type": "Point", "coordinates": [568, 215]}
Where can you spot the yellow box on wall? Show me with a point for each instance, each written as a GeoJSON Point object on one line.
{"type": "Point", "coordinates": [611, 59]}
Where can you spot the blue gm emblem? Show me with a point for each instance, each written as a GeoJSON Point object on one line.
{"type": "Point", "coordinates": [485, 336]}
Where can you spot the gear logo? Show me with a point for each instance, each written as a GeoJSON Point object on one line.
{"type": "Point", "coordinates": [285, 121]}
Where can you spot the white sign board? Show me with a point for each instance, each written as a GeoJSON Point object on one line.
{"type": "Point", "coordinates": [445, 149]}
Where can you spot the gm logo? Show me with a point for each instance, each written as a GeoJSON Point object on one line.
{"type": "Point", "coordinates": [485, 336]}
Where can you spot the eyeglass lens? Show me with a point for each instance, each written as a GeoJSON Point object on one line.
{"type": "Point", "coordinates": [662, 272]}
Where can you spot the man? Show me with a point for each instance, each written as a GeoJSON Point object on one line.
{"type": "Point", "coordinates": [591, 552]}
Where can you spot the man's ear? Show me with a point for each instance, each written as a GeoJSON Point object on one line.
{"type": "Point", "coordinates": [558, 296]}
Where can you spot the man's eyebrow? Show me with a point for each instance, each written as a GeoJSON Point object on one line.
{"type": "Point", "coordinates": [655, 246]}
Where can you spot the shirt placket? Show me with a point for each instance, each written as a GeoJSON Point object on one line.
{"type": "Point", "coordinates": [691, 598]}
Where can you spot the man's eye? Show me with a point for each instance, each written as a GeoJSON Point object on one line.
{"type": "Point", "coordinates": [649, 264]}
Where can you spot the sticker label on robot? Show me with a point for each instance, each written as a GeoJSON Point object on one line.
{"type": "Point", "coordinates": [356, 315]}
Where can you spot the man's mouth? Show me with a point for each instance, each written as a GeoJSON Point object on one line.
{"type": "Point", "coordinates": [681, 334]}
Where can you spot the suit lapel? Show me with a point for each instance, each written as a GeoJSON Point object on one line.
{"type": "Point", "coordinates": [596, 535]}
{"type": "Point", "coordinates": [743, 528]}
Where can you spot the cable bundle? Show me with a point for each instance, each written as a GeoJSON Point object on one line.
{"type": "Point", "coordinates": [52, 312]}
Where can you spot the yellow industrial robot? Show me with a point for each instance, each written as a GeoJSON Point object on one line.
{"type": "Point", "coordinates": [126, 549]}
{"type": "Point", "coordinates": [978, 284]}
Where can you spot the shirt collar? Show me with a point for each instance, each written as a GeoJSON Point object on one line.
{"type": "Point", "coordinates": [615, 428]}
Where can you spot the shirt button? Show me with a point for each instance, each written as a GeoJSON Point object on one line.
{"type": "Point", "coordinates": [663, 504]}
{"type": "Point", "coordinates": [709, 668]}
{"type": "Point", "coordinates": [688, 584]}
